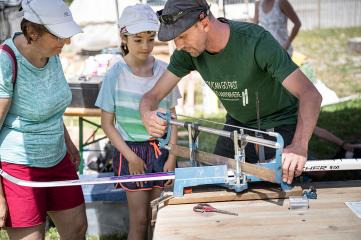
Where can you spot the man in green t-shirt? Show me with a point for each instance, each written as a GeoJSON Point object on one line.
{"type": "Point", "coordinates": [254, 78]}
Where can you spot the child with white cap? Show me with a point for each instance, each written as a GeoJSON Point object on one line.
{"type": "Point", "coordinates": [34, 143]}
{"type": "Point", "coordinates": [122, 88]}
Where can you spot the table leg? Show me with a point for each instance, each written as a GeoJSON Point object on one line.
{"type": "Point", "coordinates": [81, 145]}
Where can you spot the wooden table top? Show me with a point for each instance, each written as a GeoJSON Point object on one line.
{"type": "Point", "coordinates": [82, 112]}
{"type": "Point", "coordinates": [327, 218]}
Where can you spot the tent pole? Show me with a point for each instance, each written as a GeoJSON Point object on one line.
{"type": "Point", "coordinates": [116, 21]}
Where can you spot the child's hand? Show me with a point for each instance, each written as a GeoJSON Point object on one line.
{"type": "Point", "coordinates": [169, 166]}
{"type": "Point", "coordinates": [137, 166]}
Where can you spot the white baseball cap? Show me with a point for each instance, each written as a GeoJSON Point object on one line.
{"type": "Point", "coordinates": [138, 18]}
{"type": "Point", "coordinates": [53, 14]}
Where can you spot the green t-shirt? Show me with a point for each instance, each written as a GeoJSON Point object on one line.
{"type": "Point", "coordinates": [252, 64]}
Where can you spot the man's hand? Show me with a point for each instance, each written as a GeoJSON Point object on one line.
{"type": "Point", "coordinates": [155, 125]}
{"type": "Point", "coordinates": [3, 212]}
{"type": "Point", "coordinates": [294, 158]}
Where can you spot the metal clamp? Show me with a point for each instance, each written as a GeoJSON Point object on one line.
{"type": "Point", "coordinates": [310, 193]}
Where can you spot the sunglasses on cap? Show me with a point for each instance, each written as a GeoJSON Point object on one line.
{"type": "Point", "coordinates": [174, 17]}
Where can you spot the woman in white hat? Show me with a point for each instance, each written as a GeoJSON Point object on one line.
{"type": "Point", "coordinates": [122, 88]}
{"type": "Point", "coordinates": [34, 143]}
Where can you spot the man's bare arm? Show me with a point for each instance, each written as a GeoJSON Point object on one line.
{"type": "Point", "coordinates": [150, 102]}
{"type": "Point", "coordinates": [295, 155]}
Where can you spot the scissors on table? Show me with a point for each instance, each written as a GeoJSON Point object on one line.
{"type": "Point", "coordinates": [205, 207]}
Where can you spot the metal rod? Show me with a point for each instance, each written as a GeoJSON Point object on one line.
{"type": "Point", "coordinates": [191, 145]}
{"type": "Point", "coordinates": [225, 124]}
{"type": "Point", "coordinates": [245, 137]}
{"type": "Point", "coordinates": [116, 23]}
{"type": "Point", "coordinates": [237, 155]}
{"type": "Point", "coordinates": [81, 145]}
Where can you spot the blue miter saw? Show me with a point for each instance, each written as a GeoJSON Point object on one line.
{"type": "Point", "coordinates": [240, 173]}
{"type": "Point", "coordinates": [233, 173]}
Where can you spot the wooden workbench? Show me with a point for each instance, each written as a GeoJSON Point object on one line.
{"type": "Point", "coordinates": [327, 218]}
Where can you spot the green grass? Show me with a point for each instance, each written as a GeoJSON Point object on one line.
{"type": "Point", "coordinates": [344, 120]}
{"type": "Point", "coordinates": [327, 49]}
{"type": "Point", "coordinates": [3, 235]}
{"type": "Point", "coordinates": [52, 234]}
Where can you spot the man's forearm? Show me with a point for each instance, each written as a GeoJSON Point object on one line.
{"type": "Point", "coordinates": [148, 103]}
{"type": "Point", "coordinates": [148, 106]}
{"type": "Point", "coordinates": [161, 89]}
{"type": "Point", "coordinates": [309, 109]}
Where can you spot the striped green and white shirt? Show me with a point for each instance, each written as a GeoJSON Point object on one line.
{"type": "Point", "coordinates": [121, 93]}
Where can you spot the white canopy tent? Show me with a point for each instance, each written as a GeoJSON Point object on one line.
{"type": "Point", "coordinates": [98, 20]}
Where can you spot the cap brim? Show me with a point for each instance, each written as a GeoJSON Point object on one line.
{"type": "Point", "coordinates": [64, 30]}
{"type": "Point", "coordinates": [169, 32]}
{"type": "Point", "coordinates": [143, 27]}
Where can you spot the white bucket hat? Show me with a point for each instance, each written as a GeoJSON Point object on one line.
{"type": "Point", "coordinates": [53, 14]}
{"type": "Point", "coordinates": [138, 18]}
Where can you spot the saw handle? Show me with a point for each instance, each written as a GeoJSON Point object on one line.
{"type": "Point", "coordinates": [163, 141]}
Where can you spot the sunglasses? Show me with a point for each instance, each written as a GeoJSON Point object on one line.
{"type": "Point", "coordinates": [174, 17]}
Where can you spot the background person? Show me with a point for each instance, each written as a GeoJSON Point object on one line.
{"type": "Point", "coordinates": [273, 16]}
{"type": "Point", "coordinates": [328, 136]}
{"type": "Point", "coordinates": [34, 143]}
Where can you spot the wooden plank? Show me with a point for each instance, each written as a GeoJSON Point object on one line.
{"type": "Point", "coordinates": [327, 218]}
{"type": "Point", "coordinates": [213, 159]}
{"type": "Point", "coordinates": [218, 194]}
{"type": "Point", "coordinates": [82, 112]}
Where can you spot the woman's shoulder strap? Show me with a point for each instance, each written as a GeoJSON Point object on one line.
{"type": "Point", "coordinates": [12, 57]}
